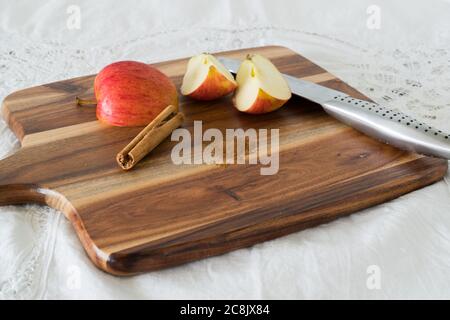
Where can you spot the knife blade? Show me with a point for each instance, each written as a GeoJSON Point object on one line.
{"type": "Point", "coordinates": [380, 122]}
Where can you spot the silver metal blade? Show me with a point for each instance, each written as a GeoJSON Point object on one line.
{"type": "Point", "coordinates": [372, 119]}
{"type": "Point", "coordinates": [302, 88]}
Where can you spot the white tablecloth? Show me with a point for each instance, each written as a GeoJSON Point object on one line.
{"type": "Point", "coordinates": [396, 52]}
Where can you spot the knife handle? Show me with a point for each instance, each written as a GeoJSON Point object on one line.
{"type": "Point", "coordinates": [389, 126]}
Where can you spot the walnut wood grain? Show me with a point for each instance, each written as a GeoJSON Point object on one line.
{"type": "Point", "coordinates": [160, 214]}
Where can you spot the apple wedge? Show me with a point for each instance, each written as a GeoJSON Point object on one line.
{"type": "Point", "coordinates": [207, 79]}
{"type": "Point", "coordinates": [261, 87]}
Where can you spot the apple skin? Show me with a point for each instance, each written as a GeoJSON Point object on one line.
{"type": "Point", "coordinates": [131, 93]}
{"type": "Point", "coordinates": [215, 86]}
{"type": "Point", "coordinates": [261, 86]}
{"type": "Point", "coordinates": [263, 103]}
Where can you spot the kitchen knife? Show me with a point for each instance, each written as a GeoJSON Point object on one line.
{"type": "Point", "coordinates": [379, 122]}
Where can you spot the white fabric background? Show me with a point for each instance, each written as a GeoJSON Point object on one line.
{"type": "Point", "coordinates": [405, 64]}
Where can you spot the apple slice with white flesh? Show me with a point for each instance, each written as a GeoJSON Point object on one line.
{"type": "Point", "coordinates": [261, 87]}
{"type": "Point", "coordinates": [207, 79]}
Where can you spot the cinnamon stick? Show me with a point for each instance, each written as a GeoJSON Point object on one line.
{"type": "Point", "coordinates": [150, 137]}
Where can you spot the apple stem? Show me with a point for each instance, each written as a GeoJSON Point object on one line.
{"type": "Point", "coordinates": [82, 102]}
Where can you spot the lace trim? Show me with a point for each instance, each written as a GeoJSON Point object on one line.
{"type": "Point", "coordinates": [29, 278]}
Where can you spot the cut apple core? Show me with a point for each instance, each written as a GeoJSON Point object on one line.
{"type": "Point", "coordinates": [261, 87]}
{"type": "Point", "coordinates": [206, 78]}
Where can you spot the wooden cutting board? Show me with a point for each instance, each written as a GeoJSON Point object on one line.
{"type": "Point", "coordinates": [161, 214]}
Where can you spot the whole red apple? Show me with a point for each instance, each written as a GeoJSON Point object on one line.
{"type": "Point", "coordinates": [131, 93]}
